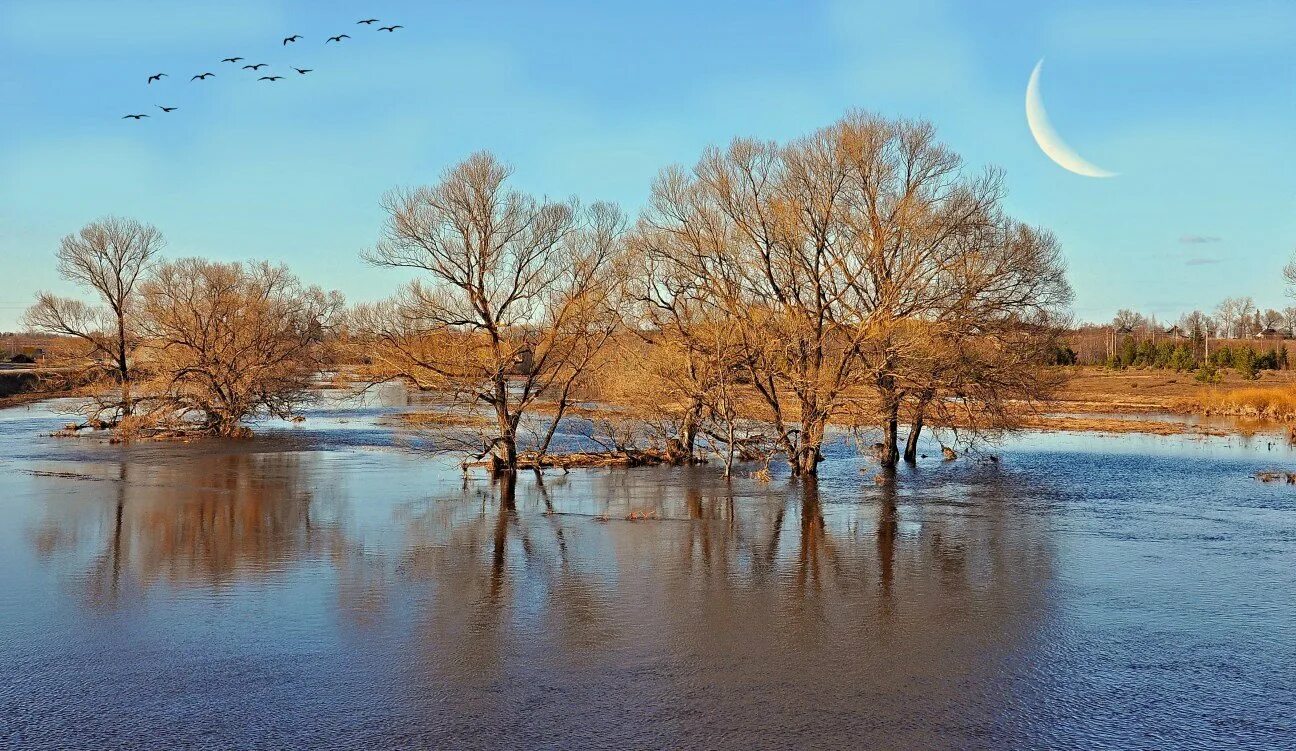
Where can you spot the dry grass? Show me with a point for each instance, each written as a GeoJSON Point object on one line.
{"type": "Point", "coordinates": [1099, 424]}
{"type": "Point", "coordinates": [1103, 391]}
{"type": "Point", "coordinates": [1261, 402]}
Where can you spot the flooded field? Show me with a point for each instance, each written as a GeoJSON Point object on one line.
{"type": "Point", "coordinates": [318, 587]}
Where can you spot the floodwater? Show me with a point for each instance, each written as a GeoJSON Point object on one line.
{"type": "Point", "coordinates": [319, 588]}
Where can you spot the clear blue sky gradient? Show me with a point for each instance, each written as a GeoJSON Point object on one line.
{"type": "Point", "coordinates": [1192, 102]}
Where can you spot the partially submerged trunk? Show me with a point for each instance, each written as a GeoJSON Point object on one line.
{"type": "Point", "coordinates": [915, 430]}
{"type": "Point", "coordinates": [504, 449]}
{"type": "Point", "coordinates": [682, 449]}
{"type": "Point", "coordinates": [814, 424]}
{"type": "Point", "coordinates": [911, 445]}
{"type": "Point", "coordinates": [123, 366]}
{"type": "Point", "coordinates": [889, 453]}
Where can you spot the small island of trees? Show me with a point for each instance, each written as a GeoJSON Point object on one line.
{"type": "Point", "coordinates": [859, 279]}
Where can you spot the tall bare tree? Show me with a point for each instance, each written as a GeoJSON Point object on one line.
{"type": "Point", "coordinates": [516, 298]}
{"type": "Point", "coordinates": [1237, 316]}
{"type": "Point", "coordinates": [108, 257]}
{"type": "Point", "coordinates": [694, 350]}
{"type": "Point", "coordinates": [825, 252]}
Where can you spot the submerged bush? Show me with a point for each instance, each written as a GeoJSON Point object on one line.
{"type": "Point", "coordinates": [225, 342]}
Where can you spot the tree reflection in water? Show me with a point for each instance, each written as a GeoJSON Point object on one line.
{"type": "Point", "coordinates": [210, 520]}
{"type": "Point", "coordinates": [467, 594]}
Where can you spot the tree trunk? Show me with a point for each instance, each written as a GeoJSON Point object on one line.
{"type": "Point", "coordinates": [553, 426]}
{"type": "Point", "coordinates": [123, 366]}
{"type": "Point", "coordinates": [911, 445]}
{"type": "Point", "coordinates": [683, 447]}
{"type": "Point", "coordinates": [889, 456]}
{"type": "Point", "coordinates": [508, 453]}
{"type": "Point", "coordinates": [805, 463]}
{"type": "Point", "coordinates": [506, 445]}
{"type": "Point", "coordinates": [915, 430]}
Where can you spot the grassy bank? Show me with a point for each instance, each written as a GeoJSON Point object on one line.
{"type": "Point", "coordinates": [1276, 402]}
{"type": "Point", "coordinates": [1104, 391]}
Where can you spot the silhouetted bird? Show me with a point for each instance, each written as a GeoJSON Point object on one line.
{"type": "Point", "coordinates": [156, 77]}
{"type": "Point", "coordinates": [232, 60]}
{"type": "Point", "coordinates": [202, 77]}
{"type": "Point", "coordinates": [389, 28]}
{"type": "Point", "coordinates": [133, 117]}
{"type": "Point", "coordinates": [258, 66]}
{"type": "Point", "coordinates": [337, 38]}
{"type": "Point", "coordinates": [269, 78]}
{"type": "Point", "coordinates": [292, 38]}
{"type": "Point", "coordinates": [302, 71]}
{"type": "Point", "coordinates": [166, 109]}
{"type": "Point", "coordinates": [368, 21]}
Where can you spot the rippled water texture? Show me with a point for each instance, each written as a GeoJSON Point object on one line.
{"type": "Point", "coordinates": [317, 588]}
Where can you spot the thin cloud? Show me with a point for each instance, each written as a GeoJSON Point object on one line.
{"type": "Point", "coordinates": [1199, 239]}
{"type": "Point", "coordinates": [1201, 261]}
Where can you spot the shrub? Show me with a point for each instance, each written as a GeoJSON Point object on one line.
{"type": "Point", "coordinates": [1208, 373]}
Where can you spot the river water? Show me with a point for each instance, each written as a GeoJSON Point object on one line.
{"type": "Point", "coordinates": [329, 586]}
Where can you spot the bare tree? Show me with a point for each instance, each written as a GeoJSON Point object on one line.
{"type": "Point", "coordinates": [823, 253]}
{"type": "Point", "coordinates": [1289, 320]}
{"type": "Point", "coordinates": [517, 299]}
{"type": "Point", "coordinates": [734, 231]}
{"type": "Point", "coordinates": [980, 357]}
{"type": "Point", "coordinates": [228, 341]}
{"type": "Point", "coordinates": [694, 350]}
{"type": "Point", "coordinates": [1289, 276]}
{"type": "Point", "coordinates": [108, 257]}
{"type": "Point", "coordinates": [1129, 320]}
{"type": "Point", "coordinates": [1236, 316]}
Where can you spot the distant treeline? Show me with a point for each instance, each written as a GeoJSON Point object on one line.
{"type": "Point", "coordinates": [1209, 358]}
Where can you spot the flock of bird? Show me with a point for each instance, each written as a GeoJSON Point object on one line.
{"type": "Point", "coordinates": [255, 68]}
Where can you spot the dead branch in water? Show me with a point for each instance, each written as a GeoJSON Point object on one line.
{"type": "Point", "coordinates": [580, 460]}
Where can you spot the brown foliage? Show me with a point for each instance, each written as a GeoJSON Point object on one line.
{"type": "Point", "coordinates": [228, 341]}
{"type": "Point", "coordinates": [836, 259]}
{"type": "Point", "coordinates": [516, 299]}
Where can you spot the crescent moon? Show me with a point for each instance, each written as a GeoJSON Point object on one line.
{"type": "Point", "coordinates": [1048, 139]}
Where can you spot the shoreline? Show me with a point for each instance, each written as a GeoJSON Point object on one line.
{"type": "Point", "coordinates": [1168, 415]}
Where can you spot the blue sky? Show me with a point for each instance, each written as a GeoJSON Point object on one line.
{"type": "Point", "coordinates": [1192, 102]}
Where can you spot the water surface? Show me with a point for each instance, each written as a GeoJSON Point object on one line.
{"type": "Point", "coordinates": [318, 588]}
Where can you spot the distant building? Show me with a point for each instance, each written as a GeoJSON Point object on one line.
{"type": "Point", "coordinates": [1174, 332]}
{"type": "Point", "coordinates": [1270, 333]}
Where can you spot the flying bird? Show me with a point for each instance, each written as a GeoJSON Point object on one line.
{"type": "Point", "coordinates": [166, 109]}
{"type": "Point", "coordinates": [269, 78]}
{"type": "Point", "coordinates": [337, 38]}
{"type": "Point", "coordinates": [258, 66]}
{"type": "Point", "coordinates": [202, 77]}
{"type": "Point", "coordinates": [368, 21]}
{"type": "Point", "coordinates": [133, 117]}
{"type": "Point", "coordinates": [156, 77]}
{"type": "Point", "coordinates": [302, 71]}
{"type": "Point", "coordinates": [292, 38]}
{"type": "Point", "coordinates": [232, 60]}
{"type": "Point", "coordinates": [389, 28]}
